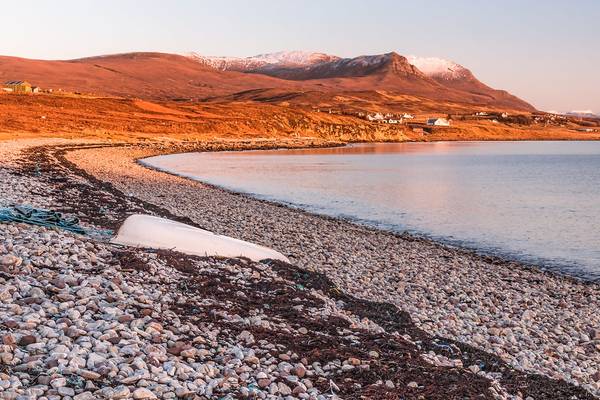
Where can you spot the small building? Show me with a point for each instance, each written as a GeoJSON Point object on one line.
{"type": "Point", "coordinates": [375, 117]}
{"type": "Point", "coordinates": [18, 86]}
{"type": "Point", "coordinates": [394, 121]}
{"type": "Point", "coordinates": [438, 122]}
{"type": "Point", "coordinates": [407, 116]}
{"type": "Point", "coordinates": [36, 89]}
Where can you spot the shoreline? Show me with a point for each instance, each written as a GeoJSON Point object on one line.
{"type": "Point", "coordinates": [122, 179]}
{"type": "Point", "coordinates": [512, 269]}
{"type": "Point", "coordinates": [498, 258]}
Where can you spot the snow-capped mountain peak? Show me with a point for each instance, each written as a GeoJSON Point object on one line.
{"type": "Point", "coordinates": [432, 67]}
{"type": "Point", "coordinates": [279, 59]}
{"type": "Point", "coordinates": [298, 58]}
{"type": "Point", "coordinates": [583, 113]}
{"type": "Point", "coordinates": [438, 67]}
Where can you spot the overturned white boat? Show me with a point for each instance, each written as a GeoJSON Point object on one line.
{"type": "Point", "coordinates": [148, 231]}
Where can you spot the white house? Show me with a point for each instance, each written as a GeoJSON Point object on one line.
{"type": "Point", "coordinates": [407, 116]}
{"type": "Point", "coordinates": [394, 121]}
{"type": "Point", "coordinates": [438, 122]}
{"type": "Point", "coordinates": [376, 117]}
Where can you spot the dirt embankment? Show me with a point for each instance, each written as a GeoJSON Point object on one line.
{"type": "Point", "coordinates": [120, 119]}
{"type": "Point", "coordinates": [123, 119]}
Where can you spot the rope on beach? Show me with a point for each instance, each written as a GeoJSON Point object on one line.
{"type": "Point", "coordinates": [35, 216]}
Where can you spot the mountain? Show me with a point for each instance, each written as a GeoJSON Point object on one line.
{"type": "Point", "coordinates": [143, 75]}
{"type": "Point", "coordinates": [348, 67]}
{"type": "Point", "coordinates": [263, 61]}
{"type": "Point", "coordinates": [455, 76]}
{"type": "Point", "coordinates": [288, 74]}
{"type": "Point", "coordinates": [440, 69]}
{"type": "Point", "coordinates": [300, 65]}
{"type": "Point", "coordinates": [583, 114]}
{"type": "Point", "coordinates": [430, 77]}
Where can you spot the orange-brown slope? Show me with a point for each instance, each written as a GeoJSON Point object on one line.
{"type": "Point", "coordinates": [132, 119]}
{"type": "Point", "coordinates": [145, 75]}
{"type": "Point", "coordinates": [466, 82]}
{"type": "Point", "coordinates": [392, 72]}
{"type": "Point", "coordinates": [169, 76]}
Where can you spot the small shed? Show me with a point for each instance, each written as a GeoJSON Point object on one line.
{"type": "Point", "coordinates": [18, 86]}
{"type": "Point", "coordinates": [438, 122]}
{"type": "Point", "coordinates": [375, 117]}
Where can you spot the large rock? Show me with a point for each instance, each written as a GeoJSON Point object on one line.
{"type": "Point", "coordinates": [143, 393]}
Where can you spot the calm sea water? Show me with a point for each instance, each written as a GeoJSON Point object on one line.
{"type": "Point", "coordinates": [537, 202]}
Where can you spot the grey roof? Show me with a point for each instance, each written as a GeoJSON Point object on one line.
{"type": "Point", "coordinates": [14, 82]}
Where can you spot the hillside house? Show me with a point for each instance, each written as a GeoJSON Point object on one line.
{"type": "Point", "coordinates": [407, 116]}
{"type": "Point", "coordinates": [438, 122]}
{"type": "Point", "coordinates": [17, 87]}
{"type": "Point", "coordinates": [375, 117]}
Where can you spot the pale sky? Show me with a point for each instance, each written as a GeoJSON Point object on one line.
{"type": "Point", "coordinates": [546, 52]}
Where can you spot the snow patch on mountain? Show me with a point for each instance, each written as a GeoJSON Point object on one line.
{"type": "Point", "coordinates": [583, 113]}
{"type": "Point", "coordinates": [438, 67]}
{"type": "Point", "coordinates": [278, 59]}
{"type": "Point", "coordinates": [430, 66]}
{"type": "Point", "coordinates": [295, 58]}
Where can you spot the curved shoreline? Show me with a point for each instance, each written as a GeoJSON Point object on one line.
{"type": "Point", "coordinates": [102, 171]}
{"type": "Point", "coordinates": [424, 292]}
{"type": "Point", "coordinates": [544, 266]}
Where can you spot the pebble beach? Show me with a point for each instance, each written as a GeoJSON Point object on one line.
{"type": "Point", "coordinates": [358, 312]}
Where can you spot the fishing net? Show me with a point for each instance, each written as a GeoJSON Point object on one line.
{"type": "Point", "coordinates": [36, 216]}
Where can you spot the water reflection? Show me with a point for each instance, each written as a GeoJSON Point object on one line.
{"type": "Point", "coordinates": [532, 200]}
{"type": "Point", "coordinates": [364, 148]}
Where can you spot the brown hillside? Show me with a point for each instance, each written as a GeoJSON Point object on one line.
{"type": "Point", "coordinates": [144, 75]}
{"type": "Point", "coordinates": [168, 76]}
{"type": "Point", "coordinates": [392, 72]}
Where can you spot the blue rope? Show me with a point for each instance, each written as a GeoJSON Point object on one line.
{"type": "Point", "coordinates": [35, 216]}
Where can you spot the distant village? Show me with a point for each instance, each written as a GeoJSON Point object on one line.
{"type": "Point", "coordinates": [396, 119]}
{"type": "Point", "coordinates": [430, 124]}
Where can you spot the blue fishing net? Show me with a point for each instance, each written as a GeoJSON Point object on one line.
{"type": "Point", "coordinates": [36, 216]}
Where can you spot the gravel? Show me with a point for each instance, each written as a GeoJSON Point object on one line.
{"type": "Point", "coordinates": [536, 321]}
{"type": "Point", "coordinates": [83, 319]}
